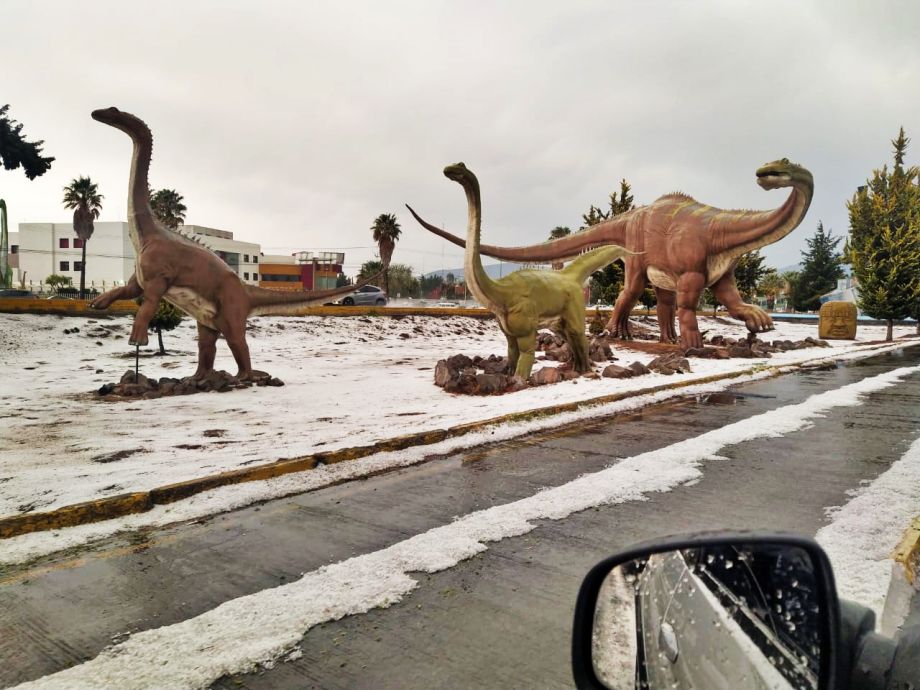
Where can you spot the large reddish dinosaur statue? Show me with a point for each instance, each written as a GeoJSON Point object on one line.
{"type": "Point", "coordinates": [682, 247]}
{"type": "Point", "coordinates": [172, 267]}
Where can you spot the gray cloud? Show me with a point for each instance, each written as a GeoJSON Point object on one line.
{"type": "Point", "coordinates": [294, 124]}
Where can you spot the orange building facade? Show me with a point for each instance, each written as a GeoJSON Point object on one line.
{"type": "Point", "coordinates": [301, 271]}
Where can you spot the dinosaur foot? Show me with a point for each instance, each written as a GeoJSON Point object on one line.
{"type": "Point", "coordinates": [252, 375]}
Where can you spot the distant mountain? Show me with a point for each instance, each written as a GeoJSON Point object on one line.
{"type": "Point", "coordinates": [492, 270]}
{"type": "Point", "coordinates": [798, 267]}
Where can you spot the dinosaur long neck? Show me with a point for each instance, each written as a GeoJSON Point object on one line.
{"type": "Point", "coordinates": [611, 231]}
{"type": "Point", "coordinates": [483, 288]}
{"type": "Point", "coordinates": [755, 230]}
{"type": "Point", "coordinates": [141, 224]}
{"type": "Point", "coordinates": [592, 261]}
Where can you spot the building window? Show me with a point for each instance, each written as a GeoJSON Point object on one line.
{"type": "Point", "coordinates": [245, 276]}
{"type": "Point", "coordinates": [245, 258]}
{"type": "Point", "coordinates": [63, 243]}
{"type": "Point", "coordinates": [65, 265]}
{"type": "Point", "coordinates": [255, 276]}
{"type": "Point", "coordinates": [77, 243]}
{"type": "Point", "coordinates": [255, 259]}
{"type": "Point", "coordinates": [14, 249]}
{"type": "Point", "coordinates": [78, 265]}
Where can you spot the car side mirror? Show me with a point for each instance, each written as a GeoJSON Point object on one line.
{"type": "Point", "coordinates": [726, 610]}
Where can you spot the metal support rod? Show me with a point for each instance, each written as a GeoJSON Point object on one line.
{"type": "Point", "coordinates": [137, 357]}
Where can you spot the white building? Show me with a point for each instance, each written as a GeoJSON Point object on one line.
{"type": "Point", "coordinates": [39, 249]}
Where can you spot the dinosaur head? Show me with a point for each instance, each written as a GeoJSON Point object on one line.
{"type": "Point", "coordinates": [119, 119]}
{"type": "Point", "coordinates": [457, 172]}
{"type": "Point", "coordinates": [782, 173]}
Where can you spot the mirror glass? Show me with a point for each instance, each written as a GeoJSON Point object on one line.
{"type": "Point", "coordinates": [713, 616]}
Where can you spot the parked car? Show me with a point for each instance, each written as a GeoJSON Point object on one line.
{"type": "Point", "coordinates": [369, 294]}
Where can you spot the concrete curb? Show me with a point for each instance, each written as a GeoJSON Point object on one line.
{"type": "Point", "coordinates": [904, 582]}
{"type": "Point", "coordinates": [139, 502]}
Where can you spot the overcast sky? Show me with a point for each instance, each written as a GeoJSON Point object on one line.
{"type": "Point", "coordinates": [294, 124]}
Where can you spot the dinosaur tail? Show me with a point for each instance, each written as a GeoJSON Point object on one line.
{"type": "Point", "coordinates": [592, 261]}
{"type": "Point", "coordinates": [264, 302]}
{"type": "Point", "coordinates": [611, 231]}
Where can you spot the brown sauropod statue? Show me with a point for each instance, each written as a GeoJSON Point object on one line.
{"type": "Point", "coordinates": [170, 266]}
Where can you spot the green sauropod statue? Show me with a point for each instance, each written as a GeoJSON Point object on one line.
{"type": "Point", "coordinates": [529, 299]}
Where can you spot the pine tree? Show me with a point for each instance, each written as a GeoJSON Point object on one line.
{"type": "Point", "coordinates": [748, 273]}
{"type": "Point", "coordinates": [607, 283]}
{"type": "Point", "coordinates": [884, 241]}
{"type": "Point", "coordinates": [820, 270]}
{"type": "Point", "coordinates": [16, 151]}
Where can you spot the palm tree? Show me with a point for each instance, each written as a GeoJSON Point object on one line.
{"type": "Point", "coordinates": [83, 196]}
{"type": "Point", "coordinates": [167, 206]}
{"type": "Point", "coordinates": [386, 232]}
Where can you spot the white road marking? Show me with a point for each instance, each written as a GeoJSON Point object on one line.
{"type": "Point", "coordinates": [864, 532]}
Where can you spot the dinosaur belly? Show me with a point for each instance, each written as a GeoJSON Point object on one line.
{"type": "Point", "coordinates": [662, 279]}
{"type": "Point", "coordinates": [193, 304]}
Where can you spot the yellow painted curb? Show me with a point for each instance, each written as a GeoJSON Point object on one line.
{"type": "Point", "coordinates": [139, 502]}
{"type": "Point", "coordinates": [76, 307]}
{"type": "Point", "coordinates": [907, 552]}
{"type": "Point", "coordinates": [65, 307]}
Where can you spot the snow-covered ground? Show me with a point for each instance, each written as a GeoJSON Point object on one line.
{"type": "Point", "coordinates": [350, 381]}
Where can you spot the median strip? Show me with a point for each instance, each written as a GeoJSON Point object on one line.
{"type": "Point", "coordinates": [143, 501]}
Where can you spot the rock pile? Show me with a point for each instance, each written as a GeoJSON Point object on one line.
{"type": "Point", "coordinates": [146, 388]}
{"type": "Point", "coordinates": [555, 348]}
{"type": "Point", "coordinates": [751, 346]}
{"type": "Point", "coordinates": [476, 376]}
{"type": "Point", "coordinates": [670, 363]}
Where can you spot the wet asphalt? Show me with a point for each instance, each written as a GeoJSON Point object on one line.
{"type": "Point", "coordinates": [500, 619]}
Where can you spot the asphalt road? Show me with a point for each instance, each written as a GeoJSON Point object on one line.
{"type": "Point", "coordinates": [500, 619]}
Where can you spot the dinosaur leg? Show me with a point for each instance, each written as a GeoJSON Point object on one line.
{"type": "Point", "coordinates": [666, 300]}
{"type": "Point", "coordinates": [513, 353]}
{"type": "Point", "coordinates": [153, 293]}
{"type": "Point", "coordinates": [236, 340]}
{"type": "Point", "coordinates": [207, 349]}
{"type": "Point", "coordinates": [627, 299]}
{"type": "Point", "coordinates": [527, 347]}
{"type": "Point", "coordinates": [755, 318]}
{"type": "Point", "coordinates": [689, 288]}
{"type": "Point", "coordinates": [131, 290]}
{"type": "Point", "coordinates": [573, 328]}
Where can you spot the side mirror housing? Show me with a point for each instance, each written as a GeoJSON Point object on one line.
{"type": "Point", "coordinates": [727, 609]}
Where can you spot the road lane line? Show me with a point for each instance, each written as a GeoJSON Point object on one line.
{"type": "Point", "coordinates": [255, 629]}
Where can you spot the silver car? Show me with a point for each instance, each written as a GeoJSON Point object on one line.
{"type": "Point", "coordinates": [367, 295]}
